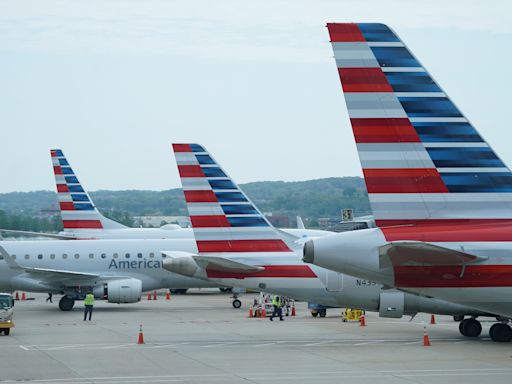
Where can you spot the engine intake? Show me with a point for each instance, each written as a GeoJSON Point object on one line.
{"type": "Point", "coordinates": [120, 291]}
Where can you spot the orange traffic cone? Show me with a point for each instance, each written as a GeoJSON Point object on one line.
{"type": "Point", "coordinates": [263, 312]}
{"type": "Point", "coordinates": [251, 312]}
{"type": "Point", "coordinates": [426, 340]}
{"type": "Point", "coordinates": [17, 296]}
{"type": "Point", "coordinates": [362, 321]}
{"type": "Point", "coordinates": [149, 295]}
{"type": "Point", "coordinates": [154, 295]}
{"type": "Point", "coordinates": [141, 336]}
{"type": "Point", "coordinates": [23, 296]}
{"type": "Point", "coordinates": [168, 295]}
{"type": "Point", "coordinates": [432, 319]}
{"type": "Point", "coordinates": [293, 311]}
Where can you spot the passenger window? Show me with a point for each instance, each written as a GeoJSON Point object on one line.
{"type": "Point", "coordinates": [151, 255]}
{"type": "Point", "coordinates": [39, 256]}
{"type": "Point", "coordinates": [77, 255]}
{"type": "Point", "coordinates": [52, 256]}
{"type": "Point", "coordinates": [64, 255]}
{"type": "Point", "coordinates": [115, 255]}
{"type": "Point", "coordinates": [27, 257]}
{"type": "Point", "coordinates": [139, 255]}
{"type": "Point", "coordinates": [127, 255]}
{"type": "Point", "coordinates": [103, 255]}
{"type": "Point", "coordinates": [91, 255]}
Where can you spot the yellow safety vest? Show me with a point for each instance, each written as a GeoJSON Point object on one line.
{"type": "Point", "coordinates": [276, 301]}
{"type": "Point", "coordinates": [89, 299]}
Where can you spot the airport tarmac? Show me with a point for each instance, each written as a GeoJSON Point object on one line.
{"type": "Point", "coordinates": [201, 338]}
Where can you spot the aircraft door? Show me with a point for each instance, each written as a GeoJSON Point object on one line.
{"type": "Point", "coordinates": [334, 281]}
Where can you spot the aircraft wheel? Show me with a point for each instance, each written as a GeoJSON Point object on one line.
{"type": "Point", "coordinates": [500, 332]}
{"type": "Point", "coordinates": [236, 303]}
{"type": "Point", "coordinates": [461, 327]}
{"type": "Point", "coordinates": [322, 312]}
{"type": "Point", "coordinates": [7, 331]}
{"type": "Point", "coordinates": [66, 303]}
{"type": "Point", "coordinates": [314, 314]}
{"type": "Point", "coordinates": [471, 328]}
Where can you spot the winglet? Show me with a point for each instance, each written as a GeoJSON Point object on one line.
{"type": "Point", "coordinates": [300, 223]}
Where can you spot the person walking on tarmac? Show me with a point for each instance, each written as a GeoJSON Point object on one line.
{"type": "Point", "coordinates": [277, 302]}
{"type": "Point", "coordinates": [89, 303]}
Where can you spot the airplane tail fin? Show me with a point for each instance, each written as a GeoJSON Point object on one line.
{"type": "Point", "coordinates": [422, 159]}
{"type": "Point", "coordinates": [77, 209]}
{"type": "Point", "coordinates": [223, 218]}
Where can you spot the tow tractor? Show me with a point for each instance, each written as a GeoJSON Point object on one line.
{"type": "Point", "coordinates": [6, 312]}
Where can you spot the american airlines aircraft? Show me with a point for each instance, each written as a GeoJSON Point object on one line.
{"type": "Point", "coordinates": [237, 246]}
{"type": "Point", "coordinates": [441, 197]}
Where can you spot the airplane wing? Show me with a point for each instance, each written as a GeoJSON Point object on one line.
{"type": "Point", "coordinates": [419, 253]}
{"type": "Point", "coordinates": [51, 276]}
{"type": "Point", "coordinates": [41, 234]}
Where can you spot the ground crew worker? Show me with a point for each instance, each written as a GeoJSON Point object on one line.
{"type": "Point", "coordinates": [89, 303]}
{"type": "Point", "coordinates": [277, 303]}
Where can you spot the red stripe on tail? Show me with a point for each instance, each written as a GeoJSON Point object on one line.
{"type": "Point", "coordinates": [190, 171]}
{"type": "Point", "coordinates": [384, 131]}
{"type": "Point", "coordinates": [67, 206]}
{"type": "Point", "coordinates": [200, 197]}
{"type": "Point", "coordinates": [181, 148]}
{"type": "Point", "coordinates": [57, 170]}
{"type": "Point", "coordinates": [62, 188]}
{"type": "Point", "coordinates": [82, 224]}
{"type": "Point", "coordinates": [341, 33]}
{"type": "Point", "coordinates": [364, 80]}
{"type": "Point", "coordinates": [209, 221]}
{"type": "Point", "coordinates": [205, 246]}
{"type": "Point", "coordinates": [406, 180]}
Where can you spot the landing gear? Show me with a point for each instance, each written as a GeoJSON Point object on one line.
{"type": "Point", "coordinates": [66, 303]}
{"type": "Point", "coordinates": [470, 327]}
{"type": "Point", "coordinates": [236, 303]}
{"type": "Point", "coordinates": [500, 332]}
{"type": "Point", "coordinates": [322, 312]}
{"type": "Point", "coordinates": [458, 317]}
{"type": "Point", "coordinates": [225, 289]}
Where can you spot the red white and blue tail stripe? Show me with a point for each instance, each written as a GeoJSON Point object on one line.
{"type": "Point", "coordinates": [223, 217]}
{"type": "Point", "coordinates": [77, 210]}
{"type": "Point", "coordinates": [423, 161]}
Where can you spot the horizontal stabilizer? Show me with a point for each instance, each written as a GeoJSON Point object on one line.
{"type": "Point", "coordinates": [189, 264]}
{"type": "Point", "coordinates": [222, 264]}
{"type": "Point", "coordinates": [418, 253]}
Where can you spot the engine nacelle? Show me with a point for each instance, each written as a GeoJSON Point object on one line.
{"type": "Point", "coordinates": [120, 291]}
{"type": "Point", "coordinates": [391, 304]}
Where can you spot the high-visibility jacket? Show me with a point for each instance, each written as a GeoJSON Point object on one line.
{"type": "Point", "coordinates": [276, 301]}
{"type": "Point", "coordinates": [89, 299]}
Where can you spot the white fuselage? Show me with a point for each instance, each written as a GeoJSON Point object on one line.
{"type": "Point", "coordinates": [142, 259]}
{"type": "Point", "coordinates": [483, 285]}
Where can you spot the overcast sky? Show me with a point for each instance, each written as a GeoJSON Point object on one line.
{"type": "Point", "coordinates": [114, 83]}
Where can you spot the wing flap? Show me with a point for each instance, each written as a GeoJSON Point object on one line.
{"type": "Point", "coordinates": [418, 253]}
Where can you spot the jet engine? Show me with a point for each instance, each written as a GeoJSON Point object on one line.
{"type": "Point", "coordinates": [120, 291]}
{"type": "Point", "coordinates": [391, 304]}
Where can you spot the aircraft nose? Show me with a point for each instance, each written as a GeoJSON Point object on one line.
{"type": "Point", "coordinates": [308, 252]}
